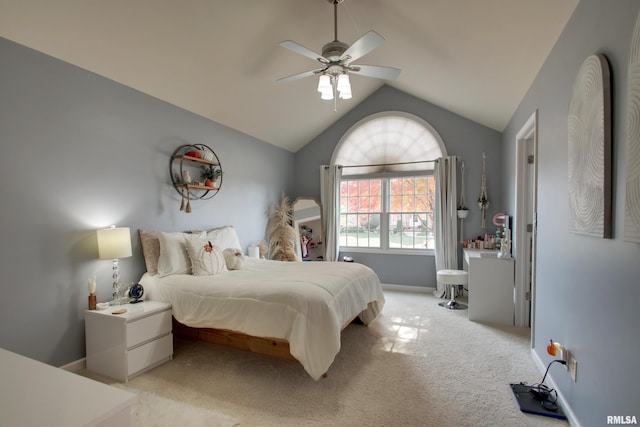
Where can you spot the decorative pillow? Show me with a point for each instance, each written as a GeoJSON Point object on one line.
{"type": "Point", "coordinates": [224, 237]}
{"type": "Point", "coordinates": [233, 258]}
{"type": "Point", "coordinates": [206, 258]}
{"type": "Point", "coordinates": [173, 254]}
{"type": "Point", "coordinates": [150, 250]}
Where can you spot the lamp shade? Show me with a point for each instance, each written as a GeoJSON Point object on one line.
{"type": "Point", "coordinates": [114, 243]}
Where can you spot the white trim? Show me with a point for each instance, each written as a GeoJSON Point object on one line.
{"type": "Point", "coordinates": [571, 416]}
{"type": "Point", "coordinates": [522, 195]}
{"type": "Point", "coordinates": [406, 288]}
{"type": "Point", "coordinates": [390, 251]}
{"type": "Point", "coordinates": [76, 366]}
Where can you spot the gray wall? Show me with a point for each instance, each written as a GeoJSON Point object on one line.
{"type": "Point", "coordinates": [587, 288]}
{"type": "Point", "coordinates": [80, 152]}
{"type": "Point", "coordinates": [462, 138]}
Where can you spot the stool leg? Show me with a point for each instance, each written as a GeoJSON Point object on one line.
{"type": "Point", "coordinates": [452, 304]}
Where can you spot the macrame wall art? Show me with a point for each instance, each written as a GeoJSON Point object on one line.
{"type": "Point", "coordinates": [483, 201]}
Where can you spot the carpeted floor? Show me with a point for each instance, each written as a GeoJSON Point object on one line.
{"type": "Point", "coordinates": [417, 365]}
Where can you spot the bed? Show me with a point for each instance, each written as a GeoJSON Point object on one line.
{"type": "Point", "coordinates": [288, 309]}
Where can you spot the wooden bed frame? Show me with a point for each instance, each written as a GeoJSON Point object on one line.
{"type": "Point", "coordinates": [275, 347]}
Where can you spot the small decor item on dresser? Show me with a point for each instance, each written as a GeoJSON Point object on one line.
{"type": "Point", "coordinates": [92, 293]}
{"type": "Point", "coordinates": [136, 292]}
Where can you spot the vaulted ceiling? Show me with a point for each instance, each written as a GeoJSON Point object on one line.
{"type": "Point", "coordinates": [222, 59]}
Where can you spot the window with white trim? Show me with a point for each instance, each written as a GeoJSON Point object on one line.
{"type": "Point", "coordinates": [387, 188]}
{"type": "Point", "coordinates": [387, 213]}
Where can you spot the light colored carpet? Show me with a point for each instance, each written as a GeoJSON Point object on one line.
{"type": "Point", "coordinates": [151, 410]}
{"type": "Point", "coordinates": [418, 364]}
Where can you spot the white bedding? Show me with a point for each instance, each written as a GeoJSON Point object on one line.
{"type": "Point", "coordinates": [306, 303]}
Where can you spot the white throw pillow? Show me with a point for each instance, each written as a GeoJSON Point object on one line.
{"type": "Point", "coordinates": [233, 258]}
{"type": "Point", "coordinates": [173, 254]}
{"type": "Point", "coordinates": [206, 258]}
{"type": "Point", "coordinates": [224, 237]}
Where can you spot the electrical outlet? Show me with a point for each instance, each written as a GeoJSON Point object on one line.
{"type": "Point", "coordinates": [572, 366]}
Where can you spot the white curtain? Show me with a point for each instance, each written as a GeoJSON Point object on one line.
{"type": "Point", "coordinates": [330, 177]}
{"type": "Point", "coordinates": [445, 218]}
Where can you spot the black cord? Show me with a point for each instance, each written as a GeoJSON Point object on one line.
{"type": "Point", "coordinates": [549, 365]}
{"type": "Point", "coordinates": [547, 396]}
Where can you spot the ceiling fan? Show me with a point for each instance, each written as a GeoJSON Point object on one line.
{"type": "Point", "coordinates": [336, 60]}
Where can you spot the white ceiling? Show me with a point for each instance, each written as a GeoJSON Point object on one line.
{"type": "Point", "coordinates": [221, 59]}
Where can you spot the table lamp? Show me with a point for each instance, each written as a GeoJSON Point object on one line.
{"type": "Point", "coordinates": [114, 243]}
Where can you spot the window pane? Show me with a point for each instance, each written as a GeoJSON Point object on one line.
{"type": "Point", "coordinates": [410, 217]}
{"type": "Point", "coordinates": [360, 202]}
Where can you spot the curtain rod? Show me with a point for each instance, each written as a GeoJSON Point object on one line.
{"type": "Point", "coordinates": [392, 164]}
{"type": "Point", "coordinates": [386, 164]}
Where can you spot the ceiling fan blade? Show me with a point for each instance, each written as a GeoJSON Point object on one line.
{"type": "Point", "coordinates": [298, 48]}
{"type": "Point", "coordinates": [362, 46]}
{"type": "Point", "coordinates": [300, 75]}
{"type": "Point", "coordinates": [376, 71]}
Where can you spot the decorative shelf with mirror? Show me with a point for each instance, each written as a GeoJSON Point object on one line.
{"type": "Point", "coordinates": [196, 173]}
{"type": "Point", "coordinates": [307, 220]}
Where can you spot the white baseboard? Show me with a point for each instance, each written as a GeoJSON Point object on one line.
{"type": "Point", "coordinates": [76, 366]}
{"type": "Point", "coordinates": [406, 288]}
{"type": "Point", "coordinates": [571, 416]}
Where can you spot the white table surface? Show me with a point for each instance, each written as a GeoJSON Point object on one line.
{"type": "Point", "coordinates": [33, 393]}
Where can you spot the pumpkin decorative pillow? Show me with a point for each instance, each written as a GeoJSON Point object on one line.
{"type": "Point", "coordinates": [233, 258]}
{"type": "Point", "coordinates": [206, 258]}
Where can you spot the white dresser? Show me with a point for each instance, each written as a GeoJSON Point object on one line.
{"type": "Point", "coordinates": [491, 286]}
{"type": "Point", "coordinates": [33, 393]}
{"type": "Point", "coordinates": [121, 346]}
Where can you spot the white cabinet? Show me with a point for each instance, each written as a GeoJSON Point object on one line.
{"type": "Point", "coordinates": [121, 346]}
{"type": "Point", "coordinates": [491, 287]}
{"type": "Point", "coordinates": [35, 394]}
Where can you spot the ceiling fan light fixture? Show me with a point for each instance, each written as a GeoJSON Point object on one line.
{"type": "Point", "coordinates": [324, 84]}
{"type": "Point", "coordinates": [327, 95]}
{"type": "Point", "coordinates": [343, 83]}
{"type": "Point", "coordinates": [336, 60]}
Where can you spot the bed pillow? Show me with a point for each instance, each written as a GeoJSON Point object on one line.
{"type": "Point", "coordinates": [150, 250]}
{"type": "Point", "coordinates": [233, 258]}
{"type": "Point", "coordinates": [224, 237]}
{"type": "Point", "coordinates": [206, 258]}
{"type": "Point", "coordinates": [173, 254]}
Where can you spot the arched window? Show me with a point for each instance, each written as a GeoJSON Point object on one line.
{"type": "Point", "coordinates": [387, 190]}
{"type": "Point", "coordinates": [393, 140]}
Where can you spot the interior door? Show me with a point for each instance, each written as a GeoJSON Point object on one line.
{"type": "Point", "coordinates": [525, 222]}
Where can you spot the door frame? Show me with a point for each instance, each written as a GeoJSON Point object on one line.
{"type": "Point", "coordinates": [525, 193]}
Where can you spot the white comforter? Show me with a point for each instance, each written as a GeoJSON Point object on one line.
{"type": "Point", "coordinates": [306, 303]}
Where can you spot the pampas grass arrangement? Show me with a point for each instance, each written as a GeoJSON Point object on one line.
{"type": "Point", "coordinates": [282, 238]}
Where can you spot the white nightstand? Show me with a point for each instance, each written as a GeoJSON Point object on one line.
{"type": "Point", "coordinates": [121, 346]}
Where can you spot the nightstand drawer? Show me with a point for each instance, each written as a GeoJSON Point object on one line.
{"type": "Point", "coordinates": [149, 354]}
{"type": "Point", "coordinates": [148, 327]}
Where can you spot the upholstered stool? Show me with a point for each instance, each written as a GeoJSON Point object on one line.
{"type": "Point", "coordinates": [452, 278]}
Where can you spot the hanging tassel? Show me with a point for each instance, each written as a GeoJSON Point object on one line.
{"type": "Point", "coordinates": [182, 201]}
{"type": "Point", "coordinates": [188, 209]}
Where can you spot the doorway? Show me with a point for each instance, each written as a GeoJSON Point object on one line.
{"type": "Point", "coordinates": [525, 222]}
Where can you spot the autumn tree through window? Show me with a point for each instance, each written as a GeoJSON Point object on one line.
{"type": "Point", "coordinates": [387, 213]}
